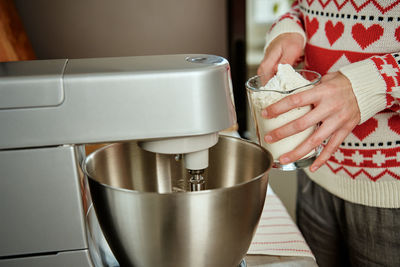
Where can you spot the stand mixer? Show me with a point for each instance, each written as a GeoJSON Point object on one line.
{"type": "Point", "coordinates": [170, 104]}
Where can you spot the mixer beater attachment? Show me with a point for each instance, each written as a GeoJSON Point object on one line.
{"type": "Point", "coordinates": [196, 180]}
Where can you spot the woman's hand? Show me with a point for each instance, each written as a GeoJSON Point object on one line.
{"type": "Point", "coordinates": [287, 48]}
{"type": "Point", "coordinates": [335, 106]}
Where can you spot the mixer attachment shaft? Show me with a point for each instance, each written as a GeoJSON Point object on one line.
{"type": "Point", "coordinates": [196, 180]}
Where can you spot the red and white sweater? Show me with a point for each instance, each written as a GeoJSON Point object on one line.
{"type": "Point", "coordinates": [361, 39]}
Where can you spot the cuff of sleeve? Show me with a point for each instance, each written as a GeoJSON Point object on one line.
{"type": "Point", "coordinates": [284, 26]}
{"type": "Point", "coordinates": [368, 87]}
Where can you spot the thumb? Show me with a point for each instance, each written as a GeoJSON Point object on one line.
{"type": "Point", "coordinates": [269, 65]}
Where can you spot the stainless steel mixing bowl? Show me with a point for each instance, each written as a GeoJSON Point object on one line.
{"type": "Point", "coordinates": [149, 220]}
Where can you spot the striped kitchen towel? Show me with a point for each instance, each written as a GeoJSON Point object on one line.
{"type": "Point", "coordinates": [277, 234]}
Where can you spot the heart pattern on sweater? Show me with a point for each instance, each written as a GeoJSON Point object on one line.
{"type": "Point", "coordinates": [394, 124]}
{"type": "Point", "coordinates": [333, 32]}
{"type": "Point", "coordinates": [397, 34]}
{"type": "Point", "coordinates": [311, 27]}
{"type": "Point", "coordinates": [363, 130]}
{"type": "Point", "coordinates": [366, 36]}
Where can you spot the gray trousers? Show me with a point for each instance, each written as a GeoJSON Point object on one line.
{"type": "Point", "coordinates": [342, 233]}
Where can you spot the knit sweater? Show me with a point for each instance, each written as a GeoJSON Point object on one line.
{"type": "Point", "coordinates": [361, 39]}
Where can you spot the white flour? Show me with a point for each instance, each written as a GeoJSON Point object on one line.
{"type": "Point", "coordinates": [285, 79]}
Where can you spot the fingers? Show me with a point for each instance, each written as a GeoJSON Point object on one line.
{"type": "Point", "coordinates": [322, 133]}
{"type": "Point", "coordinates": [334, 105]}
{"type": "Point", "coordinates": [333, 145]}
{"type": "Point", "coordinates": [308, 120]}
{"type": "Point", "coordinates": [287, 48]}
{"type": "Point", "coordinates": [269, 65]}
{"type": "Point", "coordinates": [290, 102]}
{"type": "Point", "coordinates": [291, 56]}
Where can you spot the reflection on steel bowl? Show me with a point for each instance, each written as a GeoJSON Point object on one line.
{"type": "Point", "coordinates": [148, 223]}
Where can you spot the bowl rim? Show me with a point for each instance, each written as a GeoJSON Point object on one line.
{"type": "Point", "coordinates": [207, 191]}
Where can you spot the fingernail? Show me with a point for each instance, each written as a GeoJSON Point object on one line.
{"type": "Point", "coordinates": [285, 160]}
{"type": "Point", "coordinates": [268, 139]}
{"type": "Point", "coordinates": [313, 168]}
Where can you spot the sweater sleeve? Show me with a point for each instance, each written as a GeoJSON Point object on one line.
{"type": "Point", "coordinates": [376, 83]}
{"type": "Point", "coordinates": [290, 22]}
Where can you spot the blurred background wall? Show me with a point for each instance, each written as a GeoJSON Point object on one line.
{"type": "Point", "coordinates": [101, 28]}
